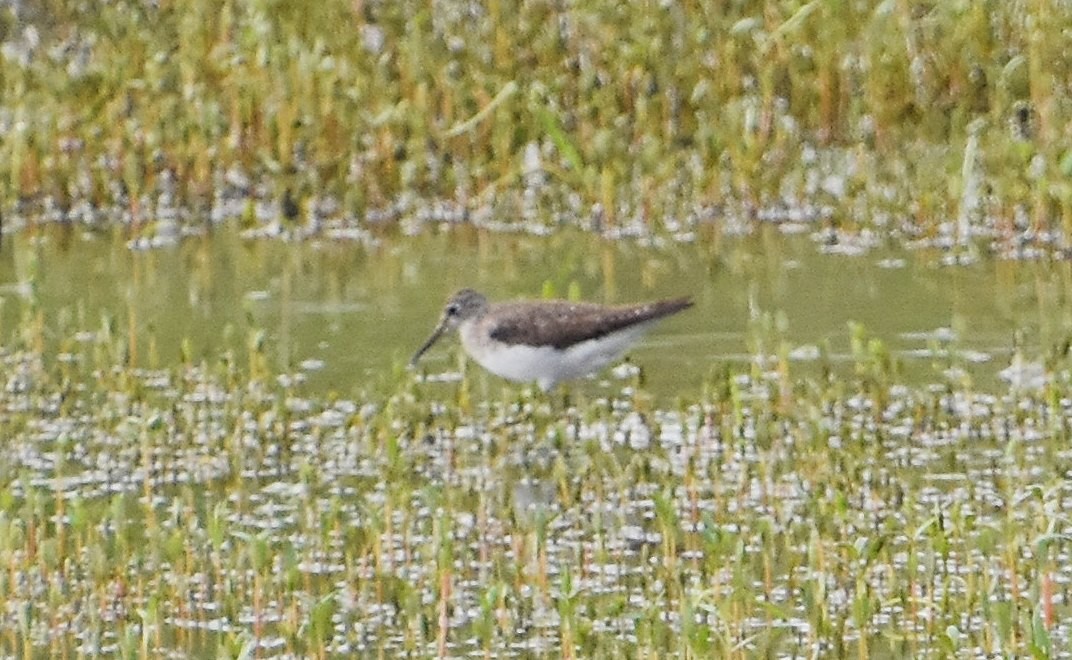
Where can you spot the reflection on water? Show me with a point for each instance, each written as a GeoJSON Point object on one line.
{"type": "Point", "coordinates": [497, 519]}
{"type": "Point", "coordinates": [346, 316]}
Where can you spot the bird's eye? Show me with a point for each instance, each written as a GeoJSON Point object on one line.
{"type": "Point", "coordinates": [452, 310]}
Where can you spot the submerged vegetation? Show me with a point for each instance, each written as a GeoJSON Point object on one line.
{"type": "Point", "coordinates": [194, 510]}
{"type": "Point", "coordinates": [941, 121]}
{"type": "Point", "coordinates": [220, 505]}
{"type": "Point", "coordinates": [216, 504]}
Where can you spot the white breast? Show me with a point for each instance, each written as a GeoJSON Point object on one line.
{"type": "Point", "coordinates": [544, 364]}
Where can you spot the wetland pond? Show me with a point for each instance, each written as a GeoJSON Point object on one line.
{"type": "Point", "coordinates": [344, 316]}
{"type": "Point", "coordinates": [214, 450]}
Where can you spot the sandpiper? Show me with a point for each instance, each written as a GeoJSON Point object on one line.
{"type": "Point", "coordinates": [547, 341]}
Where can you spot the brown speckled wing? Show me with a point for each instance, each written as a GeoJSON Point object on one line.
{"type": "Point", "coordinates": [562, 324]}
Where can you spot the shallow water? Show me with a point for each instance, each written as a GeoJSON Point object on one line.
{"type": "Point", "coordinates": [345, 316]}
{"type": "Point", "coordinates": [361, 512]}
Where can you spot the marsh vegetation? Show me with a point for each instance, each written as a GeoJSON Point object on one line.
{"type": "Point", "coordinates": [226, 225]}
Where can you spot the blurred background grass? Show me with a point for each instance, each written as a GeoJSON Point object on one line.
{"type": "Point", "coordinates": [648, 115]}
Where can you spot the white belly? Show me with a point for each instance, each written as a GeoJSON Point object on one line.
{"type": "Point", "coordinates": [547, 365]}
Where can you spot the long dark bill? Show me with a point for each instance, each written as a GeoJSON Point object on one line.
{"type": "Point", "coordinates": [436, 334]}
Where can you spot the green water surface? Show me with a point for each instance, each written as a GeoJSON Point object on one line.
{"type": "Point", "coordinates": [347, 315]}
